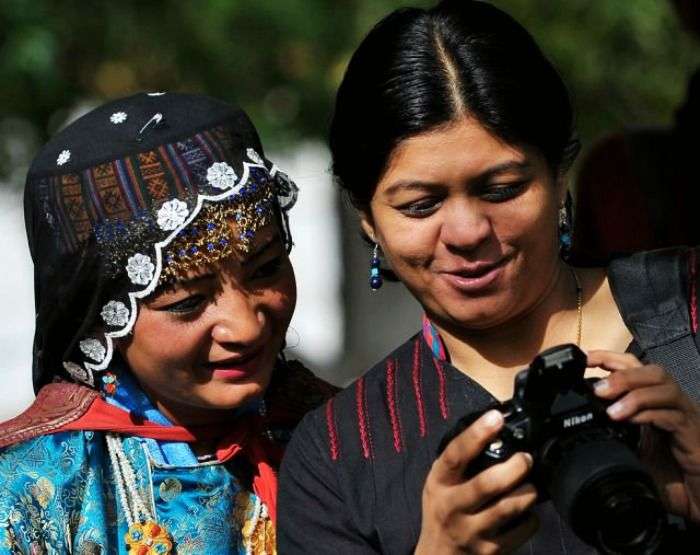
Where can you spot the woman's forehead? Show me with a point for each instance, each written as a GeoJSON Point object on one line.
{"type": "Point", "coordinates": [463, 147]}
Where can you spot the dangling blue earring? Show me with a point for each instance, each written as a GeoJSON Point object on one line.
{"type": "Point", "coordinates": [375, 275]}
{"type": "Point", "coordinates": [565, 239]}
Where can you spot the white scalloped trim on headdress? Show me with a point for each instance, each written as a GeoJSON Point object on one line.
{"type": "Point", "coordinates": [221, 175]}
{"type": "Point", "coordinates": [140, 269]}
{"type": "Point", "coordinates": [254, 156]}
{"type": "Point", "coordinates": [176, 216]}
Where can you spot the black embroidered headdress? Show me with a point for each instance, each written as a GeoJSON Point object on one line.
{"type": "Point", "coordinates": [129, 196]}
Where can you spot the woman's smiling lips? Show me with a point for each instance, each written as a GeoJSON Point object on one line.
{"type": "Point", "coordinates": [236, 368]}
{"type": "Point", "coordinates": [473, 278]}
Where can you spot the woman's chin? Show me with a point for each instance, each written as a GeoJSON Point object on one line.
{"type": "Point", "coordinates": [233, 395]}
{"type": "Point", "coordinates": [472, 314]}
{"type": "Point", "coordinates": [209, 402]}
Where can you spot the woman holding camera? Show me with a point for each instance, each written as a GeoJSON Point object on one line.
{"type": "Point", "coordinates": [453, 135]}
{"type": "Point", "coordinates": [164, 290]}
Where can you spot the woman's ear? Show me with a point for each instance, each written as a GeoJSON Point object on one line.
{"type": "Point", "coordinates": [367, 224]}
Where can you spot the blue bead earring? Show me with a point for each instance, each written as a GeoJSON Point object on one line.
{"type": "Point", "coordinates": [565, 239]}
{"type": "Point", "coordinates": [375, 275]}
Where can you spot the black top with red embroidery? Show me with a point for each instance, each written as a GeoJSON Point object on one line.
{"type": "Point", "coordinates": [353, 474]}
{"type": "Point", "coordinates": [352, 478]}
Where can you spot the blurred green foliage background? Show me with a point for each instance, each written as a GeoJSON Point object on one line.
{"type": "Point", "coordinates": [626, 61]}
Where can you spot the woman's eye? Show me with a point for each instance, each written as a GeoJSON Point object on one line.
{"type": "Point", "coordinates": [503, 192]}
{"type": "Point", "coordinates": [268, 269]}
{"type": "Point", "coordinates": [186, 306]}
{"type": "Point", "coordinates": [423, 207]}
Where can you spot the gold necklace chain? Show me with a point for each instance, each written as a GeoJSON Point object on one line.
{"type": "Point", "coordinates": [579, 307]}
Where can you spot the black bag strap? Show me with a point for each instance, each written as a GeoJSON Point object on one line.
{"type": "Point", "coordinates": [653, 291]}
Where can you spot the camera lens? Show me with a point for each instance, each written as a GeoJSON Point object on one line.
{"type": "Point", "coordinates": [603, 491]}
{"type": "Point", "coordinates": [630, 518]}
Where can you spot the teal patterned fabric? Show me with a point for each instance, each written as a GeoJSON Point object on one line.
{"type": "Point", "coordinates": [57, 495]}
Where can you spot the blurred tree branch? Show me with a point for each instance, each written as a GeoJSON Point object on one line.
{"type": "Point", "coordinates": [625, 62]}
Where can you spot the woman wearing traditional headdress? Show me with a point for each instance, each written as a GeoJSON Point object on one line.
{"type": "Point", "coordinates": [160, 241]}
{"type": "Point", "coordinates": [452, 135]}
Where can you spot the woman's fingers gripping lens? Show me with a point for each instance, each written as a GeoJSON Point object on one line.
{"type": "Point", "coordinates": [494, 483]}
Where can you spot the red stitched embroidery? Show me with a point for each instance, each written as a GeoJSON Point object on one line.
{"type": "Point", "coordinates": [443, 392]}
{"type": "Point", "coordinates": [361, 416]}
{"type": "Point", "coordinates": [332, 432]}
{"type": "Point", "coordinates": [693, 292]}
{"type": "Point", "coordinates": [418, 388]}
{"type": "Point", "coordinates": [391, 401]}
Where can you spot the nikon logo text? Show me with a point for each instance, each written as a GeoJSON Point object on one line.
{"type": "Point", "coordinates": [578, 419]}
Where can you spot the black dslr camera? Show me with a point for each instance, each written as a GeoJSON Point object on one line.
{"type": "Point", "coordinates": [584, 461]}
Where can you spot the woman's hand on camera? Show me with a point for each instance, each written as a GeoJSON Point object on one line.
{"type": "Point", "coordinates": [646, 394]}
{"type": "Point", "coordinates": [486, 514]}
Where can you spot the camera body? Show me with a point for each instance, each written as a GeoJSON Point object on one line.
{"type": "Point", "coordinates": [552, 405]}
{"type": "Point", "coordinates": [584, 461]}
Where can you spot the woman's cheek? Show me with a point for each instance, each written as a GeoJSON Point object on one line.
{"type": "Point", "coordinates": [165, 358]}
{"type": "Point", "coordinates": [408, 253]}
{"type": "Point", "coordinates": [410, 241]}
{"type": "Point", "coordinates": [283, 300]}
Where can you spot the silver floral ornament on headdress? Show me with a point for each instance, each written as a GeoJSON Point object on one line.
{"type": "Point", "coordinates": [79, 373]}
{"type": "Point", "coordinates": [93, 349]}
{"type": "Point", "coordinates": [115, 313]}
{"type": "Point", "coordinates": [63, 157]}
{"type": "Point", "coordinates": [140, 269]}
{"type": "Point", "coordinates": [221, 175]}
{"type": "Point", "coordinates": [254, 156]}
{"type": "Point", "coordinates": [172, 214]}
{"type": "Point", "coordinates": [118, 117]}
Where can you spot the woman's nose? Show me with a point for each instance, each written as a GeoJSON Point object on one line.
{"type": "Point", "coordinates": [464, 226]}
{"type": "Point", "coordinates": [239, 319]}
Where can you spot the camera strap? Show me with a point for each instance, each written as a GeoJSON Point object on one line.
{"type": "Point", "coordinates": [655, 294]}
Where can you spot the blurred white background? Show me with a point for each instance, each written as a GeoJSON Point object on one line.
{"type": "Point", "coordinates": [17, 321]}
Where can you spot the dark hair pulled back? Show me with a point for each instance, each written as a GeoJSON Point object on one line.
{"type": "Point", "coordinates": [419, 69]}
